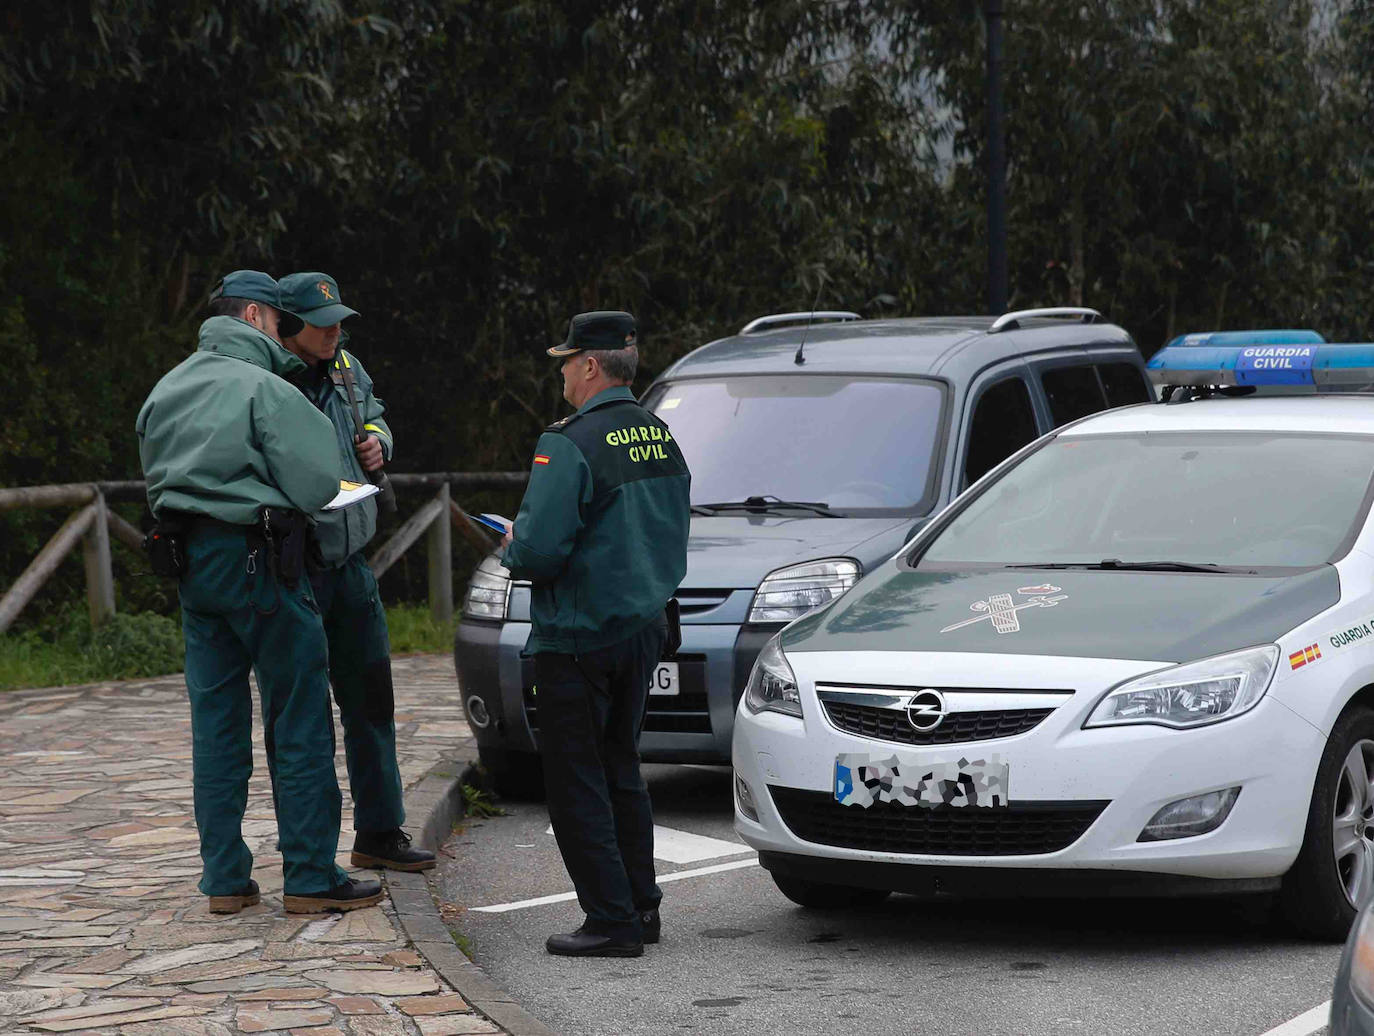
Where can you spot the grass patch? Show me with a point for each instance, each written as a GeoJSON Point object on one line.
{"type": "Point", "coordinates": [65, 650]}
{"type": "Point", "coordinates": [462, 942]}
{"type": "Point", "coordinates": [413, 628]}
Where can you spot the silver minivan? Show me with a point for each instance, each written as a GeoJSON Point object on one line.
{"type": "Point", "coordinates": [818, 445]}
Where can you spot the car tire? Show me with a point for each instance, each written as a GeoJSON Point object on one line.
{"type": "Point", "coordinates": [1315, 898]}
{"type": "Point", "coordinates": [817, 895]}
{"type": "Point", "coordinates": [514, 775]}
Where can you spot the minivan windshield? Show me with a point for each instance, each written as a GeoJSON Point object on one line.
{"type": "Point", "coordinates": [851, 443]}
{"type": "Point", "coordinates": [1171, 501]}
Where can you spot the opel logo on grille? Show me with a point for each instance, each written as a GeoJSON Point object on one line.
{"type": "Point", "coordinates": [926, 710]}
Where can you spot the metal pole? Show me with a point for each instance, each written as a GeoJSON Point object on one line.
{"type": "Point", "coordinates": [997, 165]}
{"type": "Point", "coordinates": [441, 560]}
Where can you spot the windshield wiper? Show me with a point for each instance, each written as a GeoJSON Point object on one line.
{"type": "Point", "coordinates": [767, 503]}
{"type": "Point", "coordinates": [1115, 564]}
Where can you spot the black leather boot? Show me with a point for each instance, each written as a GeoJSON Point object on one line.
{"type": "Point", "coordinates": [583, 943]}
{"type": "Point", "coordinates": [389, 849]}
{"type": "Point", "coordinates": [351, 895]}
{"type": "Point", "coordinates": [650, 925]}
{"type": "Point", "coordinates": [245, 897]}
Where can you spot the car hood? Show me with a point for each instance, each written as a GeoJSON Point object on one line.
{"type": "Point", "coordinates": [1163, 616]}
{"type": "Point", "coordinates": [737, 551]}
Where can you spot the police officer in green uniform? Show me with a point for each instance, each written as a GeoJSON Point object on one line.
{"type": "Point", "coordinates": [345, 589]}
{"type": "Point", "coordinates": [602, 535]}
{"type": "Point", "coordinates": [235, 456]}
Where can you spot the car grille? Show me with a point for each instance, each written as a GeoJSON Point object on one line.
{"type": "Point", "coordinates": [1021, 829]}
{"type": "Point", "coordinates": [694, 602]}
{"type": "Point", "coordinates": [686, 713]}
{"type": "Point", "coordinates": [892, 725]}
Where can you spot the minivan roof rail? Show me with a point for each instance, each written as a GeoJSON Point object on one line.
{"type": "Point", "coordinates": [775, 319]}
{"type": "Point", "coordinates": [1011, 321]}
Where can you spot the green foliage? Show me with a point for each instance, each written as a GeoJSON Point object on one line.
{"type": "Point", "coordinates": [136, 645]}
{"type": "Point", "coordinates": [474, 173]}
{"type": "Point", "coordinates": [413, 629]}
{"type": "Point", "coordinates": [67, 651]}
{"type": "Point", "coordinates": [477, 803]}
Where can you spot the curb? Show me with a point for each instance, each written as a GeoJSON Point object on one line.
{"type": "Point", "coordinates": [438, 798]}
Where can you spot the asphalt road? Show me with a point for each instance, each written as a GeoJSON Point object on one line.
{"type": "Point", "coordinates": [737, 957]}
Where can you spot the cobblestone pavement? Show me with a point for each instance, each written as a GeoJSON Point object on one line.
{"type": "Point", "coordinates": [101, 926]}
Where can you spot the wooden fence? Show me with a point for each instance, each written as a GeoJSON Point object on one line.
{"type": "Point", "coordinates": [94, 525]}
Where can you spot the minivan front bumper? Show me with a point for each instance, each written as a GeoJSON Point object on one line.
{"type": "Point", "coordinates": [693, 726]}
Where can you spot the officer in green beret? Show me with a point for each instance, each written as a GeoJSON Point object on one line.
{"type": "Point", "coordinates": [236, 461]}
{"type": "Point", "coordinates": [602, 536]}
{"type": "Point", "coordinates": [345, 589]}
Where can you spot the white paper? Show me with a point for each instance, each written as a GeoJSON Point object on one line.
{"type": "Point", "coordinates": [350, 493]}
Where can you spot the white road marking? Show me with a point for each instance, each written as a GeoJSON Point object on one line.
{"type": "Point", "coordinates": [684, 847]}
{"type": "Point", "coordinates": [663, 879]}
{"type": "Point", "coordinates": [1304, 1024]}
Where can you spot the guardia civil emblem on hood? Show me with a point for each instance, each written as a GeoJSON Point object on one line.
{"type": "Point", "coordinates": [1001, 609]}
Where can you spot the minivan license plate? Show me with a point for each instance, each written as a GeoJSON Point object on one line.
{"type": "Point", "coordinates": [862, 780]}
{"type": "Point", "coordinates": [665, 679]}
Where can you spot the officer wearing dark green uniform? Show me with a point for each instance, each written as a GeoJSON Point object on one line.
{"type": "Point", "coordinates": [345, 589]}
{"type": "Point", "coordinates": [602, 535]}
{"type": "Point", "coordinates": [224, 440]}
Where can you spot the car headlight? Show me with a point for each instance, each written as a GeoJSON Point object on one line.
{"type": "Point", "coordinates": [1362, 959]}
{"type": "Point", "coordinates": [791, 592]}
{"type": "Point", "coordinates": [772, 684]}
{"type": "Point", "coordinates": [1193, 694]}
{"type": "Point", "coordinates": [489, 590]}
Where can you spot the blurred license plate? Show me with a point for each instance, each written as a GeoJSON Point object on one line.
{"type": "Point", "coordinates": [862, 780]}
{"type": "Point", "coordinates": [665, 679]}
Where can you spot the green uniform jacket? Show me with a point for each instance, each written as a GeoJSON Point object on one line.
{"type": "Point", "coordinates": [224, 434]}
{"type": "Point", "coordinates": [602, 530]}
{"type": "Point", "coordinates": [343, 533]}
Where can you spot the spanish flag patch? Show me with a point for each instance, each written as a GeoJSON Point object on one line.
{"type": "Point", "coordinates": [540, 458]}
{"type": "Point", "coordinates": [1309, 654]}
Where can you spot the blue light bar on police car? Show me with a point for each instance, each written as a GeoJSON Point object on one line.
{"type": "Point", "coordinates": [1264, 358]}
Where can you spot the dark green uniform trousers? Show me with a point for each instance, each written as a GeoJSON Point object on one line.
{"type": "Point", "coordinates": [591, 711]}
{"type": "Point", "coordinates": [360, 671]}
{"type": "Point", "coordinates": [236, 616]}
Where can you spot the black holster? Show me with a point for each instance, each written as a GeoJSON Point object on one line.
{"type": "Point", "coordinates": [165, 544]}
{"type": "Point", "coordinates": [287, 534]}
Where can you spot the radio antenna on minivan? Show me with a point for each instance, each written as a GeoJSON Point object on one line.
{"type": "Point", "coordinates": [799, 359]}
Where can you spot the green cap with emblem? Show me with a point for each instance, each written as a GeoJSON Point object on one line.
{"type": "Point", "coordinates": [248, 284]}
{"type": "Point", "coordinates": [604, 329]}
{"type": "Point", "coordinates": [315, 298]}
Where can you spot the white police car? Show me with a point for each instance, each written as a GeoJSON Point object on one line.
{"type": "Point", "coordinates": [1136, 657]}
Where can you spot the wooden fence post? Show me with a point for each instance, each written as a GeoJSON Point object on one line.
{"type": "Point", "coordinates": [95, 549]}
{"type": "Point", "coordinates": [440, 544]}
{"type": "Point", "coordinates": [44, 565]}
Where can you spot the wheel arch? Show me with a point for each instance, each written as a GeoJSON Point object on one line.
{"type": "Point", "coordinates": [1363, 697]}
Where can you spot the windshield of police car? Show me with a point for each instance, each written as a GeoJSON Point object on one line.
{"type": "Point", "coordinates": [1241, 500]}
{"type": "Point", "coordinates": [853, 443]}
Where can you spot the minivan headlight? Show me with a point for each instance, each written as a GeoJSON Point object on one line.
{"type": "Point", "coordinates": [489, 590]}
{"type": "Point", "coordinates": [772, 684]}
{"type": "Point", "coordinates": [789, 593]}
{"type": "Point", "coordinates": [1191, 695]}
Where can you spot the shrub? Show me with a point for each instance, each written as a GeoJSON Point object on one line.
{"type": "Point", "coordinates": [131, 646]}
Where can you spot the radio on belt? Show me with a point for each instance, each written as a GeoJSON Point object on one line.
{"type": "Point", "coordinates": [1284, 359]}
